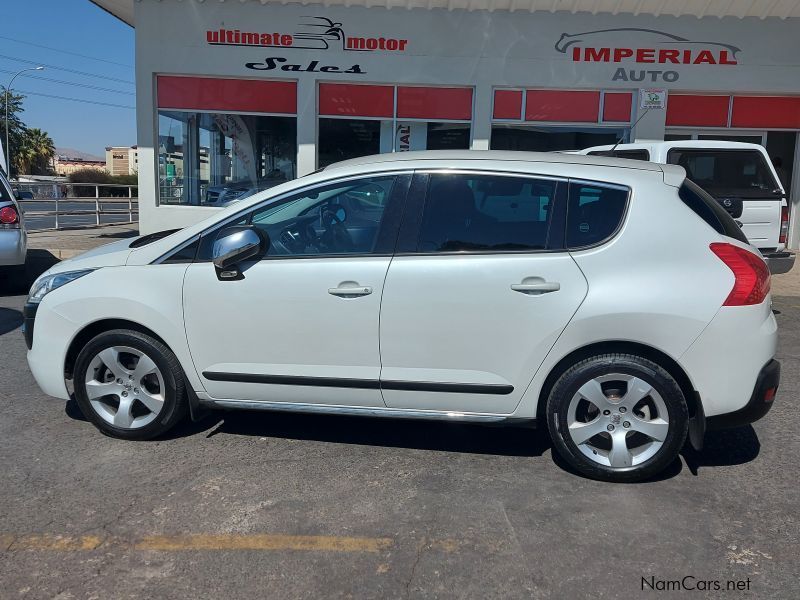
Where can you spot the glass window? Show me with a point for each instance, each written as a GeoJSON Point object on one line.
{"type": "Point", "coordinates": [447, 136]}
{"type": "Point", "coordinates": [485, 212]}
{"type": "Point", "coordinates": [551, 139]}
{"type": "Point", "coordinates": [629, 154]}
{"type": "Point", "coordinates": [338, 219]}
{"type": "Point", "coordinates": [721, 172]}
{"type": "Point", "coordinates": [342, 139]}
{"type": "Point", "coordinates": [594, 212]}
{"type": "Point", "coordinates": [214, 159]}
{"type": "Point", "coordinates": [708, 209]}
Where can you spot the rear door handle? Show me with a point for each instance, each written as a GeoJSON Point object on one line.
{"type": "Point", "coordinates": [540, 287]}
{"type": "Point", "coordinates": [350, 292]}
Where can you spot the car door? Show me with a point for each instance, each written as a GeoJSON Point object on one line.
{"type": "Point", "coordinates": [478, 292]}
{"type": "Point", "coordinates": [300, 324]}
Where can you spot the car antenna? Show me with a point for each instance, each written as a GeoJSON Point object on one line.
{"type": "Point", "coordinates": [619, 141]}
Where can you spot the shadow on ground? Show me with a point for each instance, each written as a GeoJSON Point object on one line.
{"type": "Point", "coordinates": [10, 319]}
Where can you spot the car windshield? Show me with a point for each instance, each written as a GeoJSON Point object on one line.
{"type": "Point", "coordinates": [721, 172]}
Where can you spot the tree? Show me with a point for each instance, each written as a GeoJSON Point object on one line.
{"type": "Point", "coordinates": [15, 125]}
{"type": "Point", "coordinates": [31, 149]}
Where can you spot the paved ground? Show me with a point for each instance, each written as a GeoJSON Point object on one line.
{"type": "Point", "coordinates": [246, 505]}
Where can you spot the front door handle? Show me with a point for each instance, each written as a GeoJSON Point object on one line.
{"type": "Point", "coordinates": [350, 291]}
{"type": "Point", "coordinates": [536, 288]}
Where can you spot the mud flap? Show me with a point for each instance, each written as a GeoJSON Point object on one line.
{"type": "Point", "coordinates": [697, 426]}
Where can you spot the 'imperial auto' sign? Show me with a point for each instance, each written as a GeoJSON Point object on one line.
{"type": "Point", "coordinates": [633, 45]}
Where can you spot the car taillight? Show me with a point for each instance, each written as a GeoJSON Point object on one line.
{"type": "Point", "coordinates": [784, 224]}
{"type": "Point", "coordinates": [751, 274]}
{"type": "Point", "coordinates": [8, 215]}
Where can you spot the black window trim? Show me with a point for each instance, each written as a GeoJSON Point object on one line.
{"type": "Point", "coordinates": [411, 226]}
{"type": "Point", "coordinates": [397, 198]}
{"type": "Point", "coordinates": [607, 184]}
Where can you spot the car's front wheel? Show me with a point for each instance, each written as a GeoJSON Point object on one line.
{"type": "Point", "coordinates": [617, 417]}
{"type": "Point", "coordinates": [130, 385]}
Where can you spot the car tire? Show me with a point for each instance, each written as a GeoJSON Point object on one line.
{"type": "Point", "coordinates": [617, 417]}
{"type": "Point", "coordinates": [129, 385]}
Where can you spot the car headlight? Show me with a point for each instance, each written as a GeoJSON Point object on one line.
{"type": "Point", "coordinates": [44, 285]}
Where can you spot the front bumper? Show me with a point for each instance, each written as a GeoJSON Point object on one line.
{"type": "Point", "coordinates": [29, 318]}
{"type": "Point", "coordinates": [779, 262]}
{"type": "Point", "coordinates": [760, 402]}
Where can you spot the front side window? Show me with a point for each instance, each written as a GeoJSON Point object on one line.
{"type": "Point", "coordinates": [465, 212]}
{"type": "Point", "coordinates": [343, 218]}
{"type": "Point", "coordinates": [721, 172]}
{"type": "Point", "coordinates": [213, 159]}
{"type": "Point", "coordinates": [594, 213]}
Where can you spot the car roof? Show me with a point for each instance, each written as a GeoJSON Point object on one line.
{"type": "Point", "coordinates": [402, 159]}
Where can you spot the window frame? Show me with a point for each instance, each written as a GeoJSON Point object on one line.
{"type": "Point", "coordinates": [606, 184]}
{"type": "Point", "coordinates": [411, 227]}
{"type": "Point", "coordinates": [387, 231]}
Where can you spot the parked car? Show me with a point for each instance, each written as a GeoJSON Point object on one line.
{"type": "Point", "coordinates": [13, 237]}
{"type": "Point", "coordinates": [613, 302]}
{"type": "Point", "coordinates": [739, 176]}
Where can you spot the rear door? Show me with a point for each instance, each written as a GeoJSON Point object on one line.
{"type": "Point", "coordinates": [743, 183]}
{"type": "Point", "coordinates": [478, 292]}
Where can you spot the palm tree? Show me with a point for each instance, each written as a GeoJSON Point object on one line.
{"type": "Point", "coordinates": [36, 152]}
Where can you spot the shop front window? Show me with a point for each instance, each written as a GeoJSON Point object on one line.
{"type": "Point", "coordinates": [213, 159]}
{"type": "Point", "coordinates": [550, 139]}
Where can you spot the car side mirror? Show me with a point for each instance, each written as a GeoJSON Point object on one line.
{"type": "Point", "coordinates": [234, 245]}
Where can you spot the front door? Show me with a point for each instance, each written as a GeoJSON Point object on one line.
{"type": "Point", "coordinates": [476, 301]}
{"type": "Point", "coordinates": [301, 325]}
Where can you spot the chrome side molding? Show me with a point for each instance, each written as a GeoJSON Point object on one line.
{"type": "Point", "coordinates": [358, 411]}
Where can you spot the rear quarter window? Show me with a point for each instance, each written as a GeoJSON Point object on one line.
{"type": "Point", "coordinates": [594, 213]}
{"type": "Point", "coordinates": [708, 209]}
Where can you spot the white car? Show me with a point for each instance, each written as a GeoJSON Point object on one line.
{"type": "Point", "coordinates": [740, 176]}
{"type": "Point", "coordinates": [13, 237]}
{"type": "Point", "coordinates": [611, 301]}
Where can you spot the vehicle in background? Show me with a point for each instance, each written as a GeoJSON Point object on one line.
{"type": "Point", "coordinates": [13, 238]}
{"type": "Point", "coordinates": [469, 286]}
{"type": "Point", "coordinates": [738, 175]}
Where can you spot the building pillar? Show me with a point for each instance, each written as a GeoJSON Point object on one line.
{"type": "Point", "coordinates": [306, 126]}
{"type": "Point", "coordinates": [482, 117]}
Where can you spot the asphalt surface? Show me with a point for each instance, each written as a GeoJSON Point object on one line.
{"type": "Point", "coordinates": [256, 505]}
{"type": "Point", "coordinates": [33, 222]}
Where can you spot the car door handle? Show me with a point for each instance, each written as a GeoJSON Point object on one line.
{"type": "Point", "coordinates": [539, 287]}
{"type": "Point", "coordinates": [350, 291]}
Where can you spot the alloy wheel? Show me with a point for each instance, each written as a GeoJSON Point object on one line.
{"type": "Point", "coordinates": [618, 420]}
{"type": "Point", "coordinates": [125, 387]}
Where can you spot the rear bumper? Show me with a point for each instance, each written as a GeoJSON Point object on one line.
{"type": "Point", "coordinates": [760, 401]}
{"type": "Point", "coordinates": [13, 247]}
{"type": "Point", "coordinates": [779, 262]}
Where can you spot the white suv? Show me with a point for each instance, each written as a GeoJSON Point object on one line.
{"type": "Point", "coordinates": [611, 301]}
{"type": "Point", "coordinates": [740, 176]}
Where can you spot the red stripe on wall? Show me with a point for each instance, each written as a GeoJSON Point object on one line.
{"type": "Point", "coordinates": [617, 107]}
{"type": "Point", "coordinates": [434, 103]}
{"type": "Point", "coordinates": [566, 106]}
{"type": "Point", "coordinates": [356, 100]}
{"type": "Point", "coordinates": [211, 93]}
{"type": "Point", "coordinates": [507, 104]}
{"type": "Point", "coordinates": [769, 112]}
{"type": "Point", "coordinates": [699, 111]}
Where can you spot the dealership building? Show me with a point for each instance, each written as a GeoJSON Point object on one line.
{"type": "Point", "coordinates": [244, 94]}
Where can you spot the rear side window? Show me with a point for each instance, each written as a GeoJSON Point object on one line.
{"type": "Point", "coordinates": [630, 154]}
{"type": "Point", "coordinates": [708, 209]}
{"type": "Point", "coordinates": [594, 213]}
{"type": "Point", "coordinates": [465, 212]}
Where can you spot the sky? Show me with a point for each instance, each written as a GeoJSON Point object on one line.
{"type": "Point", "coordinates": [76, 33]}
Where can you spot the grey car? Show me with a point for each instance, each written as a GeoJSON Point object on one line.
{"type": "Point", "coordinates": [13, 238]}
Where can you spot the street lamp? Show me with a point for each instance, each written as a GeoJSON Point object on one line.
{"type": "Point", "coordinates": [8, 87]}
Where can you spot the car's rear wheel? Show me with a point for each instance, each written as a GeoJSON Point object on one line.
{"type": "Point", "coordinates": [130, 385]}
{"type": "Point", "coordinates": [617, 417]}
